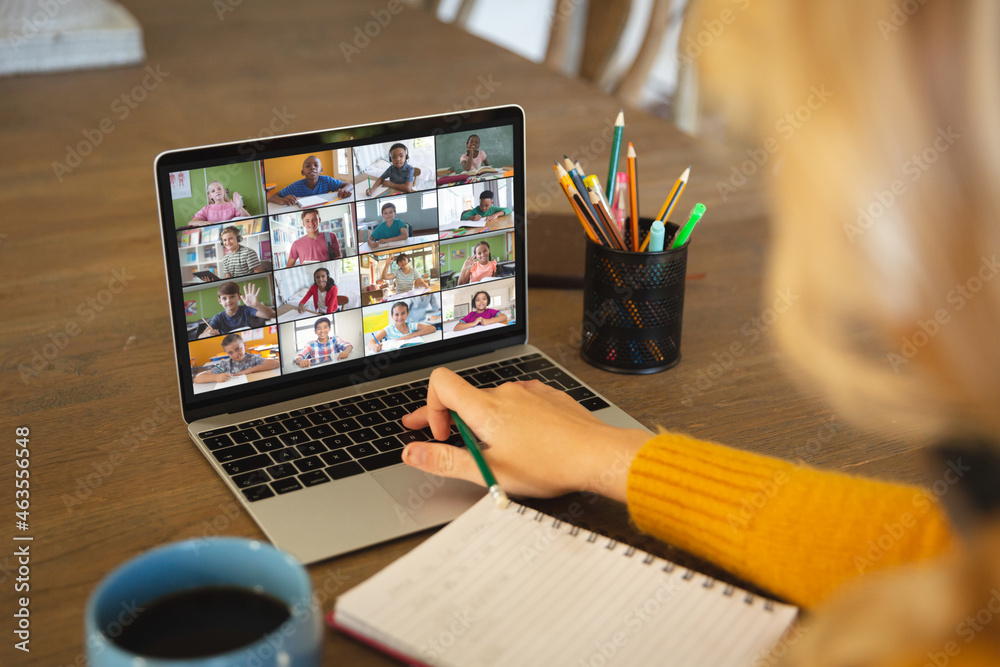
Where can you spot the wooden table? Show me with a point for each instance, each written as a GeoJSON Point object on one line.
{"type": "Point", "coordinates": [494, 225]}
{"type": "Point", "coordinates": [87, 359]}
{"type": "Point", "coordinates": [327, 197]}
{"type": "Point", "coordinates": [384, 246]}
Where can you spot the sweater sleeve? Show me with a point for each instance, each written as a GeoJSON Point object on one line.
{"type": "Point", "coordinates": [796, 531]}
{"type": "Point", "coordinates": [312, 292]}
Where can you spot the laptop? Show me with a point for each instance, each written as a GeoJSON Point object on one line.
{"type": "Point", "coordinates": [300, 415]}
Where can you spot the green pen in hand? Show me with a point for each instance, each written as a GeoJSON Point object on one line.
{"type": "Point", "coordinates": [682, 236]}
{"type": "Point", "coordinates": [499, 497]}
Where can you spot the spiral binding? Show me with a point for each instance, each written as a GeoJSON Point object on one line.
{"type": "Point", "coordinates": [707, 582]}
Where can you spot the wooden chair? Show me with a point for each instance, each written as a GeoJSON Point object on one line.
{"type": "Point", "coordinates": [603, 29]}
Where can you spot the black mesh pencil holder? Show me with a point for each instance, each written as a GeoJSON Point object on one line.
{"type": "Point", "coordinates": [633, 304]}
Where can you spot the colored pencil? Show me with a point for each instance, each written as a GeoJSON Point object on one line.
{"type": "Point", "coordinates": [499, 497]}
{"type": "Point", "coordinates": [605, 218]}
{"type": "Point", "coordinates": [570, 190]}
{"type": "Point", "coordinates": [674, 195]}
{"type": "Point", "coordinates": [592, 182]}
{"type": "Point", "coordinates": [633, 198]}
{"type": "Point", "coordinates": [616, 147]}
{"type": "Point", "coordinates": [576, 175]}
{"type": "Point", "coordinates": [645, 241]}
{"type": "Point", "coordinates": [603, 237]}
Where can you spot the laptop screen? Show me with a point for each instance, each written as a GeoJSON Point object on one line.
{"type": "Point", "coordinates": [315, 261]}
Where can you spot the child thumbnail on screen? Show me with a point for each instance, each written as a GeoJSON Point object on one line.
{"type": "Point", "coordinates": [394, 167]}
{"type": "Point", "coordinates": [479, 258]}
{"type": "Point", "coordinates": [234, 359]}
{"type": "Point", "coordinates": [229, 306]}
{"type": "Point", "coordinates": [480, 307]}
{"type": "Point", "coordinates": [297, 182]}
{"type": "Point", "coordinates": [399, 274]}
{"type": "Point", "coordinates": [480, 155]}
{"type": "Point", "coordinates": [317, 289]}
{"type": "Point", "coordinates": [397, 220]}
{"type": "Point", "coordinates": [217, 194]}
{"type": "Point", "coordinates": [227, 250]}
{"type": "Point", "coordinates": [313, 235]}
{"type": "Point", "coordinates": [476, 208]}
{"type": "Point", "coordinates": [391, 326]}
{"type": "Point", "coordinates": [321, 341]}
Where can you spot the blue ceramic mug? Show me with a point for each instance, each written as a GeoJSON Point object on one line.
{"type": "Point", "coordinates": [246, 568]}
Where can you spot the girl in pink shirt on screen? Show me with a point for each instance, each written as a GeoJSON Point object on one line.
{"type": "Point", "coordinates": [220, 207]}
{"type": "Point", "coordinates": [481, 314]}
{"type": "Point", "coordinates": [480, 265]}
{"type": "Point", "coordinates": [473, 158]}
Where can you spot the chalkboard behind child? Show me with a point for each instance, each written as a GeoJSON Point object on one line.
{"type": "Point", "coordinates": [496, 142]}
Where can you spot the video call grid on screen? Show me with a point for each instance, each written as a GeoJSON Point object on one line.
{"type": "Point", "coordinates": [405, 244]}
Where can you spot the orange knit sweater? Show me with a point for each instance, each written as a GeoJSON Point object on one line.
{"type": "Point", "coordinates": [793, 530]}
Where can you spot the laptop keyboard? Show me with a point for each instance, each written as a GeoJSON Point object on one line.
{"type": "Point", "coordinates": [314, 445]}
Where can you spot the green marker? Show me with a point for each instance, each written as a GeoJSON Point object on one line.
{"type": "Point", "coordinates": [499, 497]}
{"type": "Point", "coordinates": [616, 147]}
{"type": "Point", "coordinates": [682, 236]}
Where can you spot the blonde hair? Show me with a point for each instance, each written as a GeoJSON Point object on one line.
{"type": "Point", "coordinates": [225, 192]}
{"type": "Point", "coordinates": [885, 201]}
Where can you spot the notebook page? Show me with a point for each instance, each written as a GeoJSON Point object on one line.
{"type": "Point", "coordinates": [449, 225]}
{"type": "Point", "coordinates": [502, 587]}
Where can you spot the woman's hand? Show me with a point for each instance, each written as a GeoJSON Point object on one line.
{"type": "Point", "coordinates": [538, 440]}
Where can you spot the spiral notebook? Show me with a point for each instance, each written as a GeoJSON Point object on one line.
{"type": "Point", "coordinates": [518, 587]}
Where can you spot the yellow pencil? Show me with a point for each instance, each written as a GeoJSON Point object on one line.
{"type": "Point", "coordinates": [674, 195]}
{"type": "Point", "coordinates": [605, 214]}
{"type": "Point", "coordinates": [569, 190]}
{"type": "Point", "coordinates": [633, 198]}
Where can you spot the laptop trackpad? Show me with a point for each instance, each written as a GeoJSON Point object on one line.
{"type": "Point", "coordinates": [428, 499]}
